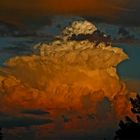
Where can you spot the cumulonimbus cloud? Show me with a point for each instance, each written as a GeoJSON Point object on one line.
{"type": "Point", "coordinates": [63, 73]}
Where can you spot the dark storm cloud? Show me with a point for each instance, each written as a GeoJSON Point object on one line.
{"type": "Point", "coordinates": [103, 108]}
{"type": "Point", "coordinates": [121, 11]}
{"type": "Point", "coordinates": [131, 16]}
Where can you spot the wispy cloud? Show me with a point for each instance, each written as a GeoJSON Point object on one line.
{"type": "Point", "coordinates": [7, 121]}
{"type": "Point", "coordinates": [35, 112]}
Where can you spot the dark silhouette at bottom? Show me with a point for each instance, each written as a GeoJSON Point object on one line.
{"type": "Point", "coordinates": [1, 135]}
{"type": "Point", "coordinates": [130, 130]}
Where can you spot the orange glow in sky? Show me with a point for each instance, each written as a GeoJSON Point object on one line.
{"type": "Point", "coordinates": [82, 7]}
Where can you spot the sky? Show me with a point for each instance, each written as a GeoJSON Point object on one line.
{"type": "Point", "coordinates": [122, 11]}
{"type": "Point", "coordinates": [19, 11]}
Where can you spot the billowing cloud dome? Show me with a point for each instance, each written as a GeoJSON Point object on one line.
{"type": "Point", "coordinates": [79, 27]}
